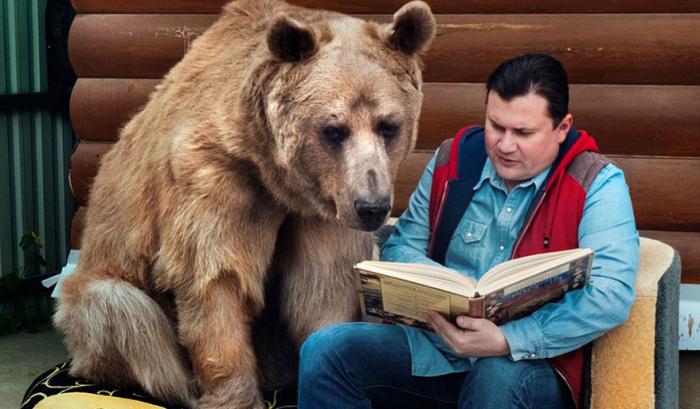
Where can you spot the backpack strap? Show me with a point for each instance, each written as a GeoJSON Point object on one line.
{"type": "Point", "coordinates": [452, 186]}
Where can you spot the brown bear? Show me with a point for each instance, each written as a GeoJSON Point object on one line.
{"type": "Point", "coordinates": [254, 176]}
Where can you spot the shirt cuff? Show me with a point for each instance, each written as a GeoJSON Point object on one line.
{"type": "Point", "coordinates": [525, 339]}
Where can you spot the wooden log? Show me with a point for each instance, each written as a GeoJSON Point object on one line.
{"type": "Point", "coordinates": [138, 46]}
{"type": "Point", "coordinates": [688, 246]}
{"type": "Point", "coordinates": [84, 165]}
{"type": "Point", "coordinates": [99, 108]}
{"type": "Point", "coordinates": [595, 48]}
{"type": "Point", "coordinates": [390, 6]}
{"type": "Point", "coordinates": [625, 119]}
{"type": "Point", "coordinates": [663, 190]}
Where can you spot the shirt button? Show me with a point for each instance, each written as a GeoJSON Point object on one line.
{"type": "Point", "coordinates": [501, 248]}
{"type": "Point", "coordinates": [469, 234]}
{"type": "Point", "coordinates": [509, 209]}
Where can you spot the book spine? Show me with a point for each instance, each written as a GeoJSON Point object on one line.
{"type": "Point", "coordinates": [476, 307]}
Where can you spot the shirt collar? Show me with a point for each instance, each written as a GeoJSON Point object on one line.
{"type": "Point", "coordinates": [489, 174]}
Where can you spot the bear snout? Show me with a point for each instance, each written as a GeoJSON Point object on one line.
{"type": "Point", "coordinates": [372, 212]}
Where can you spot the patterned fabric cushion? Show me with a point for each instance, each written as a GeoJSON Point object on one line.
{"type": "Point", "coordinates": [57, 389]}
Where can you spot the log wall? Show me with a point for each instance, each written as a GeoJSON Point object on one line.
{"type": "Point", "coordinates": [634, 69]}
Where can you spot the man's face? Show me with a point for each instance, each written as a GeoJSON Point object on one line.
{"type": "Point", "coordinates": [520, 138]}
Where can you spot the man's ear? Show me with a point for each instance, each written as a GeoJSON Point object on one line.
{"type": "Point", "coordinates": [290, 40]}
{"type": "Point", "coordinates": [563, 127]}
{"type": "Point", "coordinates": [413, 28]}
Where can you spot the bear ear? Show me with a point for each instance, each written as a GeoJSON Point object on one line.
{"type": "Point", "coordinates": [290, 40]}
{"type": "Point", "coordinates": [413, 28]}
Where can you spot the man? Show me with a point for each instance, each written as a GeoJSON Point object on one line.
{"type": "Point", "coordinates": [527, 182]}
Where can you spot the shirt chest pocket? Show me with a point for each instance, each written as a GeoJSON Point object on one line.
{"type": "Point", "coordinates": [471, 233]}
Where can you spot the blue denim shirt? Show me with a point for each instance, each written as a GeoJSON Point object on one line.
{"type": "Point", "coordinates": [485, 237]}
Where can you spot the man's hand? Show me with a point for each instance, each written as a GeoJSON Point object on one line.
{"type": "Point", "coordinates": [477, 337]}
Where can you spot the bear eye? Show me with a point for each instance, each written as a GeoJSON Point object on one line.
{"type": "Point", "coordinates": [335, 134]}
{"type": "Point", "coordinates": [387, 129]}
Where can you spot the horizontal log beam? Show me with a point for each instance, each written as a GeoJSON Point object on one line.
{"type": "Point", "coordinates": [100, 107]}
{"type": "Point", "coordinates": [390, 6]}
{"type": "Point", "coordinates": [85, 162]}
{"type": "Point", "coordinates": [663, 189]}
{"type": "Point", "coordinates": [595, 48]}
{"type": "Point", "coordinates": [688, 246]}
{"type": "Point", "coordinates": [625, 119]}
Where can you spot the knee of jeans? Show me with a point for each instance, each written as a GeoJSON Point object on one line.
{"type": "Point", "coordinates": [325, 346]}
{"type": "Point", "coordinates": [509, 373]}
{"type": "Point", "coordinates": [529, 383]}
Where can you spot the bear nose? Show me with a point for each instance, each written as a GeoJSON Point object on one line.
{"type": "Point", "coordinates": [372, 213]}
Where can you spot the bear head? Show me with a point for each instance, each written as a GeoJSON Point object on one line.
{"type": "Point", "coordinates": [342, 101]}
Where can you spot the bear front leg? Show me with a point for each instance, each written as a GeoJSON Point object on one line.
{"type": "Point", "coordinates": [318, 279]}
{"type": "Point", "coordinates": [216, 330]}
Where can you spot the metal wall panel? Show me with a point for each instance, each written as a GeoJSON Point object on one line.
{"type": "Point", "coordinates": [22, 49]}
{"type": "Point", "coordinates": [35, 142]}
{"type": "Point", "coordinates": [35, 149]}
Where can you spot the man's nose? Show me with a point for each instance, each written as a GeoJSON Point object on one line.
{"type": "Point", "coordinates": [507, 143]}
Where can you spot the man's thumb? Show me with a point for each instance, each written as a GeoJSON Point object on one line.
{"type": "Point", "coordinates": [467, 323]}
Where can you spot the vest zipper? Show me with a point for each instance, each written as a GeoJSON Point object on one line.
{"type": "Point", "coordinates": [527, 225]}
{"type": "Point", "coordinates": [445, 191]}
{"type": "Point", "coordinates": [549, 219]}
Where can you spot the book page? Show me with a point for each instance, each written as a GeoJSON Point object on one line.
{"type": "Point", "coordinates": [530, 265]}
{"type": "Point", "coordinates": [512, 267]}
{"type": "Point", "coordinates": [434, 276]}
{"type": "Point", "coordinates": [527, 295]}
{"type": "Point", "coordinates": [540, 271]}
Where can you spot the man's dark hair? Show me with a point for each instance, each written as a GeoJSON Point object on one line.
{"type": "Point", "coordinates": [538, 73]}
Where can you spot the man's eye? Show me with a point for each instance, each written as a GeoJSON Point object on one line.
{"type": "Point", "coordinates": [387, 130]}
{"type": "Point", "coordinates": [335, 134]}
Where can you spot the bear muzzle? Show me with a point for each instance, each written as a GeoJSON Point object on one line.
{"type": "Point", "coordinates": [372, 211]}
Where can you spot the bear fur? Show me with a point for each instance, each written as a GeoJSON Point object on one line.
{"type": "Point", "coordinates": [227, 217]}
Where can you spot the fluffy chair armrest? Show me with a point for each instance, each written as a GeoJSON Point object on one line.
{"type": "Point", "coordinates": [636, 364]}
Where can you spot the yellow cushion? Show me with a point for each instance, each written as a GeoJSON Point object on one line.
{"type": "Point", "coordinates": [73, 400]}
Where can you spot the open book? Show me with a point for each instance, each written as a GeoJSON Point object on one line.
{"type": "Point", "coordinates": [404, 292]}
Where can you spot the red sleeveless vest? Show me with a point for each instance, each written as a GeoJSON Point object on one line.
{"type": "Point", "coordinates": [552, 219]}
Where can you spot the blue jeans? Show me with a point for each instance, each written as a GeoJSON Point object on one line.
{"type": "Point", "coordinates": [362, 365]}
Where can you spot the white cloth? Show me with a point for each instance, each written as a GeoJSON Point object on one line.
{"type": "Point", "coordinates": [71, 263]}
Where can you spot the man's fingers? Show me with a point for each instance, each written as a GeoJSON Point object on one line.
{"type": "Point", "coordinates": [445, 337]}
{"type": "Point", "coordinates": [472, 336]}
{"type": "Point", "coordinates": [469, 323]}
{"type": "Point", "coordinates": [448, 332]}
